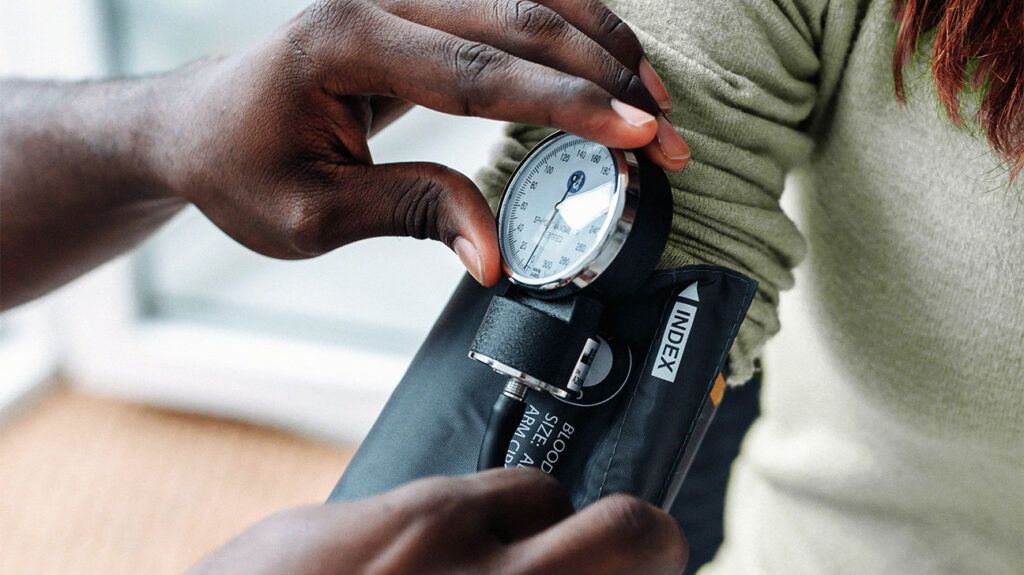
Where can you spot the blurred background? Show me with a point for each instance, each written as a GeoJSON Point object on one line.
{"type": "Point", "coordinates": [160, 404]}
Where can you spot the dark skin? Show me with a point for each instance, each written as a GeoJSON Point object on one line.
{"type": "Point", "coordinates": [271, 145]}
{"type": "Point", "coordinates": [501, 521]}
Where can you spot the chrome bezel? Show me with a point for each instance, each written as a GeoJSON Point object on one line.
{"type": "Point", "coordinates": [627, 192]}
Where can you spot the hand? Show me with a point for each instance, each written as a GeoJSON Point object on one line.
{"type": "Point", "coordinates": [514, 521]}
{"type": "Point", "coordinates": [272, 144]}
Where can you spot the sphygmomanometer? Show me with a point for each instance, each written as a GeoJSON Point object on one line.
{"type": "Point", "coordinates": [606, 370]}
{"type": "Point", "coordinates": [580, 226]}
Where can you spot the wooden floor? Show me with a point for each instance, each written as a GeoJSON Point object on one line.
{"type": "Point", "coordinates": [94, 486]}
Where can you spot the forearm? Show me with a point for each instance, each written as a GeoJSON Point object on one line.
{"type": "Point", "coordinates": [83, 176]}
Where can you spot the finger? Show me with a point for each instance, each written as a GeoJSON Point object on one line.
{"type": "Point", "coordinates": [520, 502]}
{"type": "Point", "coordinates": [618, 534]}
{"type": "Point", "coordinates": [510, 504]}
{"type": "Point", "coordinates": [593, 18]}
{"type": "Point", "coordinates": [419, 200]}
{"type": "Point", "coordinates": [458, 76]}
{"type": "Point", "coordinates": [668, 149]}
{"type": "Point", "coordinates": [534, 32]}
{"type": "Point", "coordinates": [422, 200]}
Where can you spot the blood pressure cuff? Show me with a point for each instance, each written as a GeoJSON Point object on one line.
{"type": "Point", "coordinates": [645, 403]}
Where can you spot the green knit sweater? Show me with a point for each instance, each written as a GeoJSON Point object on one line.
{"type": "Point", "coordinates": [894, 398]}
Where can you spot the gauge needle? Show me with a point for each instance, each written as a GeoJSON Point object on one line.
{"type": "Point", "coordinates": [572, 183]}
{"type": "Point", "coordinates": [544, 232]}
{"type": "Point", "coordinates": [577, 211]}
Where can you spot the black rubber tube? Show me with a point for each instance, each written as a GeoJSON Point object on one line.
{"type": "Point", "coordinates": [501, 425]}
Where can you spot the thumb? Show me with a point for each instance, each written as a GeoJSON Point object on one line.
{"type": "Point", "coordinates": [424, 200]}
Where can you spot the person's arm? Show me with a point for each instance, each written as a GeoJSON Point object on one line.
{"type": "Point", "coordinates": [79, 176]}
{"type": "Point", "coordinates": [751, 82]}
{"type": "Point", "coordinates": [271, 144]}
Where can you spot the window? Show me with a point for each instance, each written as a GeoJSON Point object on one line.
{"type": "Point", "coordinates": [195, 321]}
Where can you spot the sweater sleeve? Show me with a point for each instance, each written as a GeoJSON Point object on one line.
{"type": "Point", "coordinates": [749, 80]}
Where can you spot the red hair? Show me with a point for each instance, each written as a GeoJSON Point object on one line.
{"type": "Point", "coordinates": [979, 43]}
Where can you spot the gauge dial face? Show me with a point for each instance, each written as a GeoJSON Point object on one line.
{"type": "Point", "coordinates": [558, 209]}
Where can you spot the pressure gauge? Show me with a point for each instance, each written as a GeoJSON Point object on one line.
{"type": "Point", "coordinates": [580, 226]}
{"type": "Point", "coordinates": [569, 215]}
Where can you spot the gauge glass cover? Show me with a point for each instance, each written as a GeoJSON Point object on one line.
{"type": "Point", "coordinates": [558, 209]}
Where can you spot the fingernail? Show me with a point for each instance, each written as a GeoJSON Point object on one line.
{"type": "Point", "coordinates": [470, 258]}
{"type": "Point", "coordinates": [671, 143]}
{"type": "Point", "coordinates": [652, 81]}
{"type": "Point", "coordinates": [633, 116]}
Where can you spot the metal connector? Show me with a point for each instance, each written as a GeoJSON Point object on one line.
{"type": "Point", "coordinates": [515, 389]}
